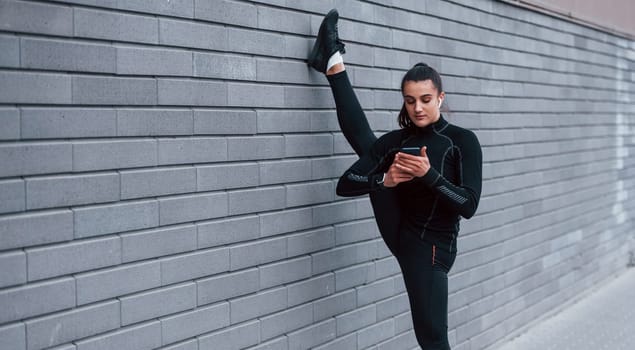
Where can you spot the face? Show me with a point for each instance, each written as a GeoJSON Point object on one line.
{"type": "Point", "coordinates": [422, 101]}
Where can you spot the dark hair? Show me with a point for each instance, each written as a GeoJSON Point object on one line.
{"type": "Point", "coordinates": [418, 72]}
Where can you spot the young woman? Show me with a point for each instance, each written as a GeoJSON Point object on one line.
{"type": "Point", "coordinates": [421, 179]}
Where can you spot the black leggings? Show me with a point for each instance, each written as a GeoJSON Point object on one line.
{"type": "Point", "coordinates": [424, 267]}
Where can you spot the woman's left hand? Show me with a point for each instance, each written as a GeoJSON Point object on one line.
{"type": "Point", "coordinates": [416, 166]}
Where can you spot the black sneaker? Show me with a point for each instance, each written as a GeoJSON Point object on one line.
{"type": "Point", "coordinates": [327, 42]}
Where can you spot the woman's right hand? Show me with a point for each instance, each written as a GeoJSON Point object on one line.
{"type": "Point", "coordinates": [394, 176]}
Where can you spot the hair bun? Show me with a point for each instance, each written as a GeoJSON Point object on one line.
{"type": "Point", "coordinates": [421, 64]}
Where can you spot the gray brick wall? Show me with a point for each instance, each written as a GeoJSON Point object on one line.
{"type": "Point", "coordinates": [167, 171]}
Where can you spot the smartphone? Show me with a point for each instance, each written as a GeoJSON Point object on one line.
{"type": "Point", "coordinates": [415, 151]}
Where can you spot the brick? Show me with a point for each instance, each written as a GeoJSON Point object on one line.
{"type": "Point", "coordinates": [268, 70]}
{"type": "Point", "coordinates": [310, 242]}
{"type": "Point", "coordinates": [42, 123]}
{"type": "Point", "coordinates": [144, 61]}
{"type": "Point", "coordinates": [279, 343]}
{"type": "Point", "coordinates": [392, 59]}
{"type": "Point", "coordinates": [55, 191]}
{"type": "Point", "coordinates": [115, 26]}
{"type": "Point", "coordinates": [192, 93]}
{"type": "Point", "coordinates": [283, 121]}
{"type": "Point", "coordinates": [224, 122]}
{"type": "Point", "coordinates": [334, 305]}
{"type": "Point", "coordinates": [192, 208]}
{"type": "Point", "coordinates": [12, 268]}
{"type": "Point", "coordinates": [356, 231]}
{"type": "Point", "coordinates": [158, 242]}
{"type": "Point", "coordinates": [240, 336]}
{"type": "Point", "coordinates": [35, 158]}
{"type": "Point", "coordinates": [193, 323]}
{"type": "Point", "coordinates": [331, 167]}
{"type": "Point", "coordinates": [256, 253]}
{"type": "Point", "coordinates": [403, 322]}
{"type": "Point", "coordinates": [372, 78]}
{"type": "Point", "coordinates": [10, 120]}
{"type": "Point", "coordinates": [194, 35]}
{"type": "Point", "coordinates": [314, 288]}
{"type": "Point", "coordinates": [308, 97]}
{"type": "Point", "coordinates": [65, 347]}
{"type": "Point", "coordinates": [258, 147]}
{"type": "Point", "coordinates": [24, 230]}
{"type": "Point", "coordinates": [226, 231]}
{"type": "Point", "coordinates": [392, 306]}
{"type": "Point", "coordinates": [283, 21]}
{"type": "Point", "coordinates": [10, 48]}
{"type": "Point", "coordinates": [157, 182]}
{"type": "Point", "coordinates": [284, 272]}
{"type": "Point", "coordinates": [225, 286]}
{"type": "Point", "coordinates": [375, 291]}
{"type": "Point", "coordinates": [36, 299]}
{"type": "Point", "coordinates": [160, 302]}
{"type": "Point", "coordinates": [285, 221]}
{"type": "Point", "coordinates": [13, 336]}
{"type": "Point", "coordinates": [219, 177]}
{"type": "Point", "coordinates": [387, 267]}
{"type": "Point", "coordinates": [341, 343]}
{"type": "Point", "coordinates": [298, 47]}
{"type": "Point", "coordinates": [224, 66]}
{"type": "Point", "coordinates": [89, 90]}
{"type": "Point", "coordinates": [310, 193]}
{"type": "Point", "coordinates": [324, 121]}
{"type": "Point", "coordinates": [285, 321]}
{"type": "Point", "coordinates": [256, 305]}
{"type": "Point", "coordinates": [12, 196]}
{"type": "Point", "coordinates": [376, 333]}
{"type": "Point", "coordinates": [311, 336]}
{"type": "Point", "coordinates": [260, 199]}
{"type": "Point", "coordinates": [194, 265]}
{"type": "Point", "coordinates": [178, 8]}
{"type": "Point", "coordinates": [113, 218]}
{"type": "Point", "coordinates": [154, 122]}
{"type": "Point", "coordinates": [34, 88]}
{"type": "Point", "coordinates": [67, 56]}
{"type": "Point", "coordinates": [143, 336]}
{"type": "Point", "coordinates": [192, 150]}
{"type": "Point", "coordinates": [36, 18]}
{"type": "Point", "coordinates": [356, 319]}
{"type": "Point", "coordinates": [308, 145]}
{"type": "Point", "coordinates": [99, 155]}
{"type": "Point", "coordinates": [331, 213]}
{"type": "Point", "coordinates": [343, 256]}
{"type": "Point", "coordinates": [255, 95]}
{"type": "Point", "coordinates": [75, 324]}
{"type": "Point", "coordinates": [121, 280]}
{"type": "Point", "coordinates": [285, 171]}
{"type": "Point", "coordinates": [254, 42]}
{"type": "Point", "coordinates": [402, 341]}
{"type": "Point", "coordinates": [355, 276]}
{"type": "Point", "coordinates": [224, 11]}
{"type": "Point", "coordinates": [73, 257]}
{"type": "Point", "coordinates": [185, 345]}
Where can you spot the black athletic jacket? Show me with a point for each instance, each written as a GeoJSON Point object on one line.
{"type": "Point", "coordinates": [430, 205]}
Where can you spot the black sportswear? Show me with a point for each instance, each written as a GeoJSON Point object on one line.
{"type": "Point", "coordinates": [430, 205]}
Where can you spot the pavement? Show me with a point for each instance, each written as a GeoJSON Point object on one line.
{"type": "Point", "coordinates": [603, 319]}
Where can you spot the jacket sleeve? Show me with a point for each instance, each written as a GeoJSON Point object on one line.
{"type": "Point", "coordinates": [464, 196]}
{"type": "Point", "coordinates": [366, 174]}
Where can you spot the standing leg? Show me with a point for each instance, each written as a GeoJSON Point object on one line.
{"type": "Point", "coordinates": [426, 281]}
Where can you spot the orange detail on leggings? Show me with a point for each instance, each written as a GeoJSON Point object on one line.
{"type": "Point", "coordinates": [433, 252]}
